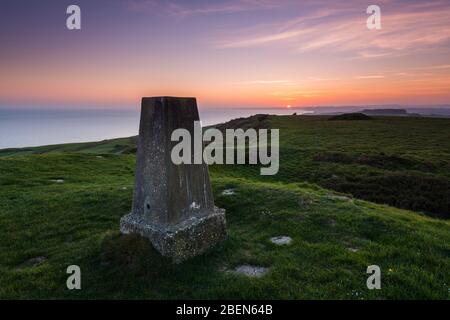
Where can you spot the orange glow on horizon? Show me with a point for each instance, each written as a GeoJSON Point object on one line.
{"type": "Point", "coordinates": [313, 59]}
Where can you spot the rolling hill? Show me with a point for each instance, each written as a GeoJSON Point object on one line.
{"type": "Point", "coordinates": [61, 205]}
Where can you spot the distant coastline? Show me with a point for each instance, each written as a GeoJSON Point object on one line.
{"type": "Point", "coordinates": [31, 128]}
{"type": "Point", "coordinates": [394, 110]}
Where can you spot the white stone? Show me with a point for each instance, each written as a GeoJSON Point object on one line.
{"type": "Point", "coordinates": [281, 240]}
{"type": "Point", "coordinates": [251, 271]}
{"type": "Point", "coordinates": [339, 198]}
{"type": "Point", "coordinates": [228, 192]}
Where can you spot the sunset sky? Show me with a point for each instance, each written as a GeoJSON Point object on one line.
{"type": "Point", "coordinates": [231, 53]}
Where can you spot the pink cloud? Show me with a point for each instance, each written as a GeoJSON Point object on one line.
{"type": "Point", "coordinates": [183, 9]}
{"type": "Point", "coordinates": [406, 29]}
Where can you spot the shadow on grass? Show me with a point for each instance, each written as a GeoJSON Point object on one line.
{"type": "Point", "coordinates": [128, 267]}
{"type": "Point", "coordinates": [135, 255]}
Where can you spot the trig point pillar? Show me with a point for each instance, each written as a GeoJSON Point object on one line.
{"type": "Point", "coordinates": [173, 205]}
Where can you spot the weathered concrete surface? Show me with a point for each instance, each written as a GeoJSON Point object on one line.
{"type": "Point", "coordinates": [172, 204]}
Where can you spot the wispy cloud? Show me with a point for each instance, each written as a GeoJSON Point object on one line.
{"type": "Point", "coordinates": [374, 76]}
{"type": "Point", "coordinates": [438, 67]}
{"type": "Point", "coordinates": [248, 42]}
{"type": "Point", "coordinates": [295, 94]}
{"type": "Point", "coordinates": [185, 9]}
{"type": "Point", "coordinates": [405, 29]}
{"type": "Point", "coordinates": [323, 79]}
{"type": "Point", "coordinates": [320, 25]}
{"type": "Point", "coordinates": [264, 82]}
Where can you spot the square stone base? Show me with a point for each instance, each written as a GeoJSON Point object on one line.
{"type": "Point", "coordinates": [184, 240]}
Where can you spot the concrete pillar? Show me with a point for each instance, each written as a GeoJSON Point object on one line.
{"type": "Point", "coordinates": [173, 205]}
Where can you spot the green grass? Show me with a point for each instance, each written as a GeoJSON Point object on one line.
{"type": "Point", "coordinates": [76, 222]}
{"type": "Point", "coordinates": [114, 146]}
{"type": "Point", "coordinates": [403, 162]}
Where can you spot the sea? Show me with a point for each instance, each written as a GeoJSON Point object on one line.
{"type": "Point", "coordinates": [29, 128]}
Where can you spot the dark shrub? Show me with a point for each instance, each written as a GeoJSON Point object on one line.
{"type": "Point", "coordinates": [338, 157]}
{"type": "Point", "coordinates": [381, 161]}
{"type": "Point", "coordinates": [429, 194]}
{"type": "Point", "coordinates": [350, 116]}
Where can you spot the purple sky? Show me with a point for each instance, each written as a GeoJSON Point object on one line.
{"type": "Point", "coordinates": [226, 53]}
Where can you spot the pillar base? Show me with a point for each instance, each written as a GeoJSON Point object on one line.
{"type": "Point", "coordinates": [184, 240]}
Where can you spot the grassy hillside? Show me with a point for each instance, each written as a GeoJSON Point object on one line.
{"type": "Point", "coordinates": [403, 162]}
{"type": "Point", "coordinates": [113, 146]}
{"type": "Point", "coordinates": [63, 208]}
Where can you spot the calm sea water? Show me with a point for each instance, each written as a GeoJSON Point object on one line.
{"type": "Point", "coordinates": [19, 128]}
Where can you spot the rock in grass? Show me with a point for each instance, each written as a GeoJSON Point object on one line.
{"type": "Point", "coordinates": [339, 198]}
{"type": "Point", "coordinates": [251, 271]}
{"type": "Point", "coordinates": [228, 192]}
{"type": "Point", "coordinates": [33, 262]}
{"type": "Point", "coordinates": [281, 240]}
